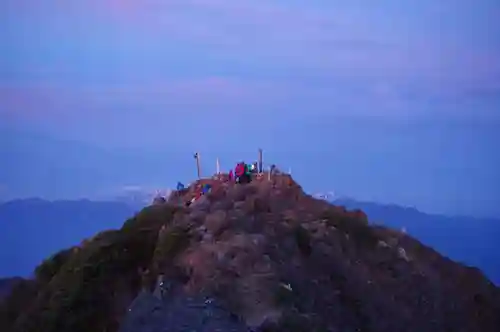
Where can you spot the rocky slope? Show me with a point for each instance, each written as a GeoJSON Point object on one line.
{"type": "Point", "coordinates": [263, 256]}
{"type": "Point", "coordinates": [471, 240]}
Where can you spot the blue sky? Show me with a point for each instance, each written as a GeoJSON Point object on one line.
{"type": "Point", "coordinates": [399, 101]}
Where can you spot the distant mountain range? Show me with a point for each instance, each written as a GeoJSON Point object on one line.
{"type": "Point", "coordinates": [32, 229]}
{"type": "Point", "coordinates": [133, 195]}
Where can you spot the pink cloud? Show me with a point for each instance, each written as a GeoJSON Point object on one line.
{"type": "Point", "coordinates": [346, 45]}
{"type": "Point", "coordinates": [45, 102]}
{"type": "Point", "coordinates": [28, 102]}
{"type": "Point", "coordinates": [73, 103]}
{"type": "Point", "coordinates": [204, 91]}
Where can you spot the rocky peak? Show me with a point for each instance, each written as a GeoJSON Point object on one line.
{"type": "Point", "coordinates": [273, 257]}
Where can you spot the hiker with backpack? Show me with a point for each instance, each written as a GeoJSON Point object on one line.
{"type": "Point", "coordinates": [239, 170]}
{"type": "Point", "coordinates": [242, 173]}
{"type": "Point", "coordinates": [206, 189]}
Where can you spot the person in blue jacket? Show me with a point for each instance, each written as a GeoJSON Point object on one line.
{"type": "Point", "coordinates": [206, 189]}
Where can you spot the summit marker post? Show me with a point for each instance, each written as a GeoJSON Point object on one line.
{"type": "Point", "coordinates": [260, 161]}
{"type": "Point", "coordinates": [198, 168]}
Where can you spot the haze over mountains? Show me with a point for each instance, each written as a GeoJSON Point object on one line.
{"type": "Point", "coordinates": [33, 229]}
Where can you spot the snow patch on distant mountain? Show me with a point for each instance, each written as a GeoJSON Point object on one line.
{"type": "Point", "coordinates": [135, 195]}
{"type": "Point", "coordinates": [327, 196]}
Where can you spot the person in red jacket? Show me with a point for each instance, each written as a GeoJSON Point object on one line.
{"type": "Point", "coordinates": [242, 173]}
{"type": "Point", "coordinates": [231, 176]}
{"type": "Point", "coordinates": [239, 172]}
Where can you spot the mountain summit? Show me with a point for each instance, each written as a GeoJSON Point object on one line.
{"type": "Point", "coordinates": [262, 256]}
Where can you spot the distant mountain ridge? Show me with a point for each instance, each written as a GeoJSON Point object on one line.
{"type": "Point", "coordinates": [33, 228]}
{"type": "Point", "coordinates": [133, 195]}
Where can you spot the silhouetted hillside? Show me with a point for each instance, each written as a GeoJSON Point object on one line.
{"type": "Point", "coordinates": [49, 226]}
{"type": "Point", "coordinates": [473, 241]}
{"type": "Point", "coordinates": [264, 256]}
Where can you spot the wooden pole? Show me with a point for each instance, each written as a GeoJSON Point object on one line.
{"type": "Point", "coordinates": [260, 161]}
{"type": "Point", "coordinates": [198, 168]}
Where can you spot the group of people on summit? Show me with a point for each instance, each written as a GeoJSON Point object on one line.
{"type": "Point", "coordinates": [242, 174]}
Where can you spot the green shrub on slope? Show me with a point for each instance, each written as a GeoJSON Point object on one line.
{"type": "Point", "coordinates": [48, 269]}
{"type": "Point", "coordinates": [91, 290]}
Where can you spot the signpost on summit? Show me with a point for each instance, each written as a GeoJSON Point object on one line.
{"type": "Point", "coordinates": [260, 161]}
{"type": "Point", "coordinates": [197, 157]}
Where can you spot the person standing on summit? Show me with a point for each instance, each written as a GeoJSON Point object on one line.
{"type": "Point", "coordinates": [241, 173]}
{"type": "Point", "coordinates": [239, 170]}
{"type": "Point", "coordinates": [255, 167]}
